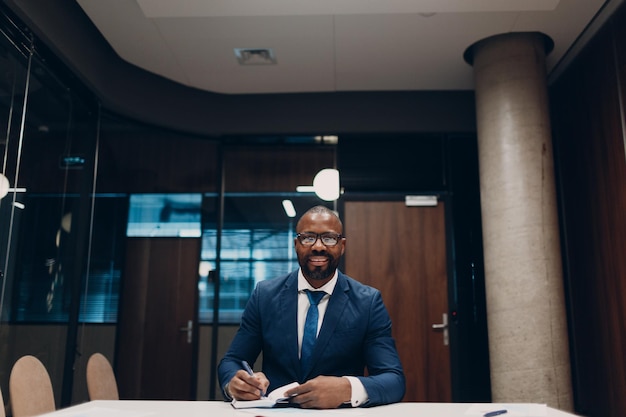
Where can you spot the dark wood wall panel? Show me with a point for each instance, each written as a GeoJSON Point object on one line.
{"type": "Point", "coordinates": [405, 162]}
{"type": "Point", "coordinates": [41, 169]}
{"type": "Point", "coordinates": [274, 168]}
{"type": "Point", "coordinates": [136, 160]}
{"type": "Point", "coordinates": [591, 163]}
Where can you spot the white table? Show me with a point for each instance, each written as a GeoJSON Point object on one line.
{"type": "Point", "coordinates": [132, 408]}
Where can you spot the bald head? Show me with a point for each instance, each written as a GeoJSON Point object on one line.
{"type": "Point", "coordinates": [319, 210]}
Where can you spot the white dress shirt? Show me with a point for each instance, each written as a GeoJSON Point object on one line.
{"type": "Point", "coordinates": [359, 394]}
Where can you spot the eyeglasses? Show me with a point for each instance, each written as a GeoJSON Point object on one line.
{"type": "Point", "coordinates": [328, 238]}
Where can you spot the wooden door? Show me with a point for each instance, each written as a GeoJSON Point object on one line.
{"type": "Point", "coordinates": [157, 337]}
{"type": "Point", "coordinates": [402, 251]}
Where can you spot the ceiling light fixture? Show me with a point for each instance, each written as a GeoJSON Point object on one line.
{"type": "Point", "coordinates": [290, 210]}
{"type": "Point", "coordinates": [330, 140]}
{"type": "Point", "coordinates": [325, 185]}
{"type": "Point", "coordinates": [4, 186]}
{"type": "Point", "coordinates": [255, 56]}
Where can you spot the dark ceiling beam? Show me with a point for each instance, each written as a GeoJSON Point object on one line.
{"type": "Point", "coordinates": [130, 91]}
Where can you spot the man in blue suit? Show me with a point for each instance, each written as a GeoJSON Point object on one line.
{"type": "Point", "coordinates": [354, 331]}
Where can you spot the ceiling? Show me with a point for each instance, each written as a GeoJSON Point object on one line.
{"type": "Point", "coordinates": [329, 45]}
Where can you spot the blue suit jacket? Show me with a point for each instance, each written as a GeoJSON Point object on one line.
{"type": "Point", "coordinates": [355, 334]}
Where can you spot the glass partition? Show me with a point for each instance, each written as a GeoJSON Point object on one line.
{"type": "Point", "coordinates": [85, 195]}
{"type": "Point", "coordinates": [77, 183]}
{"type": "Point", "coordinates": [257, 243]}
{"type": "Point", "coordinates": [13, 87]}
{"type": "Point", "coordinates": [48, 149]}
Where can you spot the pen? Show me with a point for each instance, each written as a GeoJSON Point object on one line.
{"type": "Point", "coordinates": [250, 372]}
{"type": "Point", "coordinates": [247, 367]}
{"type": "Point", "coordinates": [494, 413]}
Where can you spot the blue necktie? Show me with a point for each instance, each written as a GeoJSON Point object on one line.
{"type": "Point", "coordinates": [310, 329]}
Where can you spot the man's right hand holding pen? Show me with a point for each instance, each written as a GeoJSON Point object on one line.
{"type": "Point", "coordinates": [248, 385]}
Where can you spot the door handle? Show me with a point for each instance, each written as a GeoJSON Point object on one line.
{"type": "Point", "coordinates": [189, 330]}
{"type": "Point", "coordinates": [443, 326]}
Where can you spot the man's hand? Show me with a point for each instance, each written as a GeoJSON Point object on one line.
{"type": "Point", "coordinates": [322, 392]}
{"type": "Point", "coordinates": [244, 386]}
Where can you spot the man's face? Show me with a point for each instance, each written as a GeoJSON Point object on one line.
{"type": "Point", "coordinates": [319, 262]}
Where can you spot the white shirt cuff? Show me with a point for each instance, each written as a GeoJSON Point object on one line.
{"type": "Point", "coordinates": [226, 392]}
{"type": "Point", "coordinates": [359, 394]}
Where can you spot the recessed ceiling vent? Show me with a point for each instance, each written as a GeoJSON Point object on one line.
{"type": "Point", "coordinates": [255, 56]}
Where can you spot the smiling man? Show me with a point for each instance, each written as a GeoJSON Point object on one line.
{"type": "Point", "coordinates": [318, 327]}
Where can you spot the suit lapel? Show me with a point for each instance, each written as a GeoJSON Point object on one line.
{"type": "Point", "coordinates": [288, 300]}
{"type": "Point", "coordinates": [332, 317]}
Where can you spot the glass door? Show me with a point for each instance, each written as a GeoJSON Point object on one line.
{"type": "Point", "coordinates": [48, 163]}
{"type": "Point", "coordinates": [247, 231]}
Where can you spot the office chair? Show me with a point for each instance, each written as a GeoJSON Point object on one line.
{"type": "Point", "coordinates": [2, 410]}
{"type": "Point", "coordinates": [30, 389]}
{"type": "Point", "coordinates": [101, 383]}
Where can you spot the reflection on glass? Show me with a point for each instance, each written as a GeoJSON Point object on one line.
{"type": "Point", "coordinates": [42, 293]}
{"type": "Point", "coordinates": [257, 244]}
{"type": "Point", "coordinates": [164, 215]}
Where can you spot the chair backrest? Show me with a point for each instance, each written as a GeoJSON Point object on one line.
{"type": "Point", "coordinates": [101, 383]}
{"type": "Point", "coordinates": [2, 410]}
{"type": "Point", "coordinates": [30, 389]}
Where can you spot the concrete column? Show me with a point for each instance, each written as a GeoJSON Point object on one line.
{"type": "Point", "coordinates": [528, 341]}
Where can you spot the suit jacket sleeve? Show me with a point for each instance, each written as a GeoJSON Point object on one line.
{"type": "Point", "coordinates": [385, 382]}
{"type": "Point", "coordinates": [246, 345]}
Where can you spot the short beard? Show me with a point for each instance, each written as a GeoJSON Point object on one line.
{"type": "Point", "coordinates": [319, 274]}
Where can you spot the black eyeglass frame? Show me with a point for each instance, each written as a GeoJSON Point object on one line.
{"type": "Point", "coordinates": [321, 237]}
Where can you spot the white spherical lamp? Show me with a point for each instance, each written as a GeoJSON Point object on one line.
{"type": "Point", "coordinates": [326, 184]}
{"type": "Point", "coordinates": [4, 186]}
